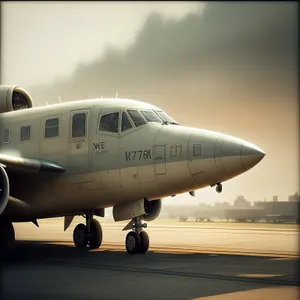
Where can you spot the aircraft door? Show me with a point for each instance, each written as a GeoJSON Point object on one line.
{"type": "Point", "coordinates": [159, 158]}
{"type": "Point", "coordinates": [195, 163]}
{"type": "Point", "coordinates": [106, 149]}
{"type": "Point", "coordinates": [79, 145]}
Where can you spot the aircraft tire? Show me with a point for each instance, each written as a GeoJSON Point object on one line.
{"type": "Point", "coordinates": [7, 238]}
{"type": "Point", "coordinates": [144, 242]}
{"type": "Point", "coordinates": [80, 236]}
{"type": "Point", "coordinates": [95, 239]}
{"type": "Point", "coordinates": [219, 188]}
{"type": "Point", "coordinates": [133, 242]}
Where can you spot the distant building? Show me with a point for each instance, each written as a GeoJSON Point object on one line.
{"type": "Point", "coordinates": [204, 206]}
{"type": "Point", "coordinates": [275, 198]}
{"type": "Point", "coordinates": [240, 201]}
{"type": "Point", "coordinates": [282, 208]}
{"type": "Point", "coordinates": [260, 203]}
{"type": "Point", "coordinates": [294, 198]}
{"type": "Point", "coordinates": [219, 209]}
{"type": "Point", "coordinates": [222, 205]}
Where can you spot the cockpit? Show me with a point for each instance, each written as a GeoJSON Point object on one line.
{"type": "Point", "coordinates": [130, 118]}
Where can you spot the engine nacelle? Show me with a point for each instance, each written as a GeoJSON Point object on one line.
{"type": "Point", "coordinates": [4, 189]}
{"type": "Point", "coordinates": [14, 98]}
{"type": "Point", "coordinates": [152, 209]}
{"type": "Point", "coordinates": [149, 210]}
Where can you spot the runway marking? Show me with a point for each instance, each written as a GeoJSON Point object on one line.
{"type": "Point", "coordinates": [93, 265]}
{"type": "Point", "coordinates": [274, 293]}
{"type": "Point", "coordinates": [184, 250]}
{"type": "Point", "coordinates": [190, 224]}
{"type": "Point", "coordinates": [61, 261]}
{"type": "Point", "coordinates": [281, 258]}
{"type": "Point", "coordinates": [260, 275]}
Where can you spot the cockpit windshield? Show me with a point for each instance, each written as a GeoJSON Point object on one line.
{"type": "Point", "coordinates": [142, 117]}
{"type": "Point", "coordinates": [151, 116]}
{"type": "Point", "coordinates": [166, 119]}
{"type": "Point", "coordinates": [136, 117]}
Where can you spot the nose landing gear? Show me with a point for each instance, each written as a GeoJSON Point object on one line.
{"type": "Point", "coordinates": [137, 241]}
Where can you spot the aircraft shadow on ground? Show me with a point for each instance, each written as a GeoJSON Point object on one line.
{"type": "Point", "coordinates": [192, 270]}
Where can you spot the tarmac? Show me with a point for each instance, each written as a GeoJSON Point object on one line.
{"type": "Point", "coordinates": [185, 261]}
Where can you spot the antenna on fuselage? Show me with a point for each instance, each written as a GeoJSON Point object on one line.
{"type": "Point", "coordinates": [60, 99]}
{"type": "Point", "coordinates": [116, 95]}
{"type": "Point", "coordinates": [46, 103]}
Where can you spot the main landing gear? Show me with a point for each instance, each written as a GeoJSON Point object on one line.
{"type": "Point", "coordinates": [219, 188]}
{"type": "Point", "coordinates": [89, 234]}
{"type": "Point", "coordinates": [7, 238]}
{"type": "Point", "coordinates": [137, 241]}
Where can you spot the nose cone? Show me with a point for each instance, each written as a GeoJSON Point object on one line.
{"type": "Point", "coordinates": [251, 155]}
{"type": "Point", "coordinates": [235, 156]}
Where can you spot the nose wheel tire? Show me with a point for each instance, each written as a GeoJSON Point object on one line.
{"type": "Point", "coordinates": [137, 242]}
{"type": "Point", "coordinates": [144, 242]}
{"type": "Point", "coordinates": [95, 239]}
{"type": "Point", "coordinates": [133, 242]}
{"type": "Point", "coordinates": [80, 236]}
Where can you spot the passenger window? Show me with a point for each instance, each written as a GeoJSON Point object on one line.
{"type": "Point", "coordinates": [125, 122]}
{"type": "Point", "coordinates": [5, 136]}
{"type": "Point", "coordinates": [109, 122]}
{"type": "Point", "coordinates": [51, 128]}
{"type": "Point", "coordinates": [78, 125]}
{"type": "Point", "coordinates": [150, 116]}
{"type": "Point", "coordinates": [25, 133]}
{"type": "Point", "coordinates": [136, 117]}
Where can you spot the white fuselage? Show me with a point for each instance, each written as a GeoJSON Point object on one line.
{"type": "Point", "coordinates": [108, 168]}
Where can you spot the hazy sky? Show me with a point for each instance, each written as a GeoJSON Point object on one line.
{"type": "Point", "coordinates": [49, 38]}
{"type": "Point", "coordinates": [229, 67]}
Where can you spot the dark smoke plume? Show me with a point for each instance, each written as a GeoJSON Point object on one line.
{"type": "Point", "coordinates": [248, 42]}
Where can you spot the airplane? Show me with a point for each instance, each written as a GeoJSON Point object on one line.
{"type": "Point", "coordinates": [81, 157]}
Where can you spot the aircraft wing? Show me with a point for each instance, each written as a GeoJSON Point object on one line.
{"type": "Point", "coordinates": [21, 164]}
{"type": "Point", "coordinates": [16, 204]}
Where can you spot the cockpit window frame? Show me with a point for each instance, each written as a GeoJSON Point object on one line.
{"type": "Point", "coordinates": [103, 113]}
{"type": "Point", "coordinates": [141, 115]}
{"type": "Point", "coordinates": [133, 127]}
{"type": "Point", "coordinates": [141, 110]}
{"type": "Point", "coordinates": [173, 122]}
{"type": "Point", "coordinates": [106, 131]}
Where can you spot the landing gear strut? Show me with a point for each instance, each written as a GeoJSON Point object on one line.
{"type": "Point", "coordinates": [7, 238]}
{"type": "Point", "coordinates": [89, 234]}
{"type": "Point", "coordinates": [137, 241]}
